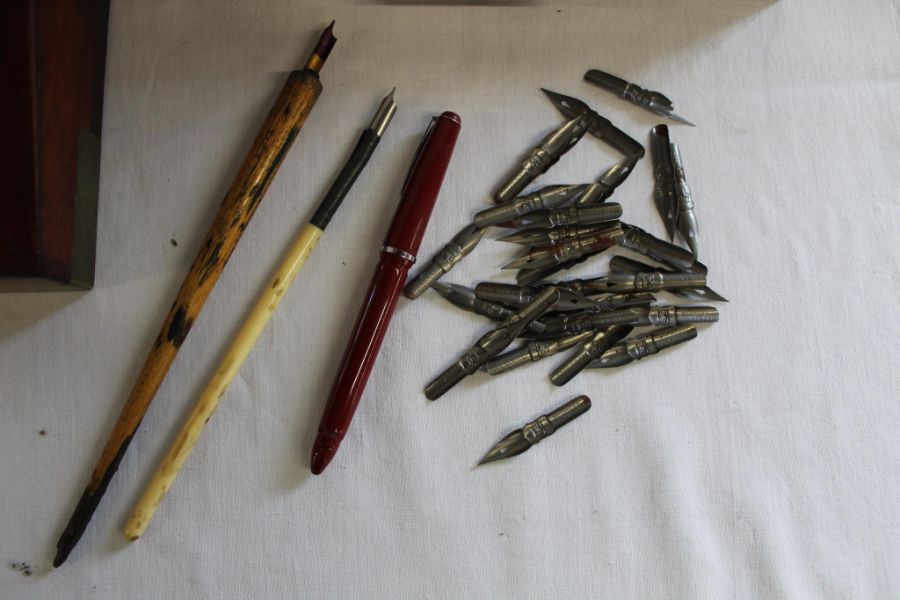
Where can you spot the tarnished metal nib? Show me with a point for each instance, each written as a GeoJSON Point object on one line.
{"type": "Point", "coordinates": [639, 316]}
{"type": "Point", "coordinates": [520, 295]}
{"type": "Point", "coordinates": [522, 439]}
{"type": "Point", "coordinates": [542, 157]}
{"type": "Point", "coordinates": [532, 352]}
{"type": "Point", "coordinates": [490, 344]}
{"type": "Point", "coordinates": [612, 178]}
{"type": "Point", "coordinates": [571, 215]}
{"type": "Point", "coordinates": [539, 238]}
{"type": "Point", "coordinates": [599, 126]}
{"type": "Point", "coordinates": [588, 351]}
{"type": "Point", "coordinates": [568, 250]}
{"type": "Point", "coordinates": [621, 264]}
{"type": "Point", "coordinates": [663, 177]}
{"type": "Point", "coordinates": [545, 198]}
{"type": "Point", "coordinates": [466, 299]}
{"type": "Point", "coordinates": [653, 281]}
{"type": "Point", "coordinates": [449, 256]}
{"type": "Point", "coordinates": [686, 219]}
{"type": "Point", "coordinates": [655, 102]}
{"type": "Point", "coordinates": [573, 323]}
{"type": "Point", "coordinates": [640, 347]}
{"type": "Point", "coordinates": [659, 250]}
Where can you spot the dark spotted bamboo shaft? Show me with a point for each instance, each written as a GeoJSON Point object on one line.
{"type": "Point", "coordinates": [297, 97]}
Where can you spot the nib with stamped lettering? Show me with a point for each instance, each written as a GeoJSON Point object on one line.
{"type": "Point", "coordinates": [522, 439]}
{"type": "Point", "coordinates": [621, 264]}
{"type": "Point", "coordinates": [540, 237]}
{"type": "Point", "coordinates": [542, 157]}
{"type": "Point", "coordinates": [568, 251]}
{"type": "Point", "coordinates": [520, 295]}
{"type": "Point", "coordinates": [599, 126]}
{"type": "Point", "coordinates": [659, 250]}
{"type": "Point", "coordinates": [545, 198]}
{"type": "Point", "coordinates": [449, 256]}
{"type": "Point", "coordinates": [647, 99]}
{"type": "Point", "coordinates": [588, 351]}
{"type": "Point", "coordinates": [466, 299]}
{"type": "Point", "coordinates": [490, 344]}
{"type": "Point", "coordinates": [685, 218]}
{"type": "Point", "coordinates": [571, 215]}
{"type": "Point", "coordinates": [625, 283]}
{"type": "Point", "coordinates": [663, 177]}
{"type": "Point", "coordinates": [574, 323]}
{"type": "Point", "coordinates": [533, 351]}
{"type": "Point", "coordinates": [645, 345]}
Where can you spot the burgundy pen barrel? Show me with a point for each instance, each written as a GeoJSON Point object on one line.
{"type": "Point", "coordinates": [397, 255]}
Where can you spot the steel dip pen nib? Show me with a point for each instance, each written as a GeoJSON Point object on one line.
{"type": "Point", "coordinates": [522, 439]}
{"type": "Point", "coordinates": [491, 344]}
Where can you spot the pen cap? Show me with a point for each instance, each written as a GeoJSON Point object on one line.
{"type": "Point", "coordinates": [423, 182]}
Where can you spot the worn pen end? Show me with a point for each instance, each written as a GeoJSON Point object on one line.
{"type": "Point", "coordinates": [322, 50]}
{"type": "Point", "coordinates": [61, 555]}
{"type": "Point", "coordinates": [323, 451]}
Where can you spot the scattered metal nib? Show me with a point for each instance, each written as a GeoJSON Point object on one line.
{"type": "Point", "coordinates": [624, 283]}
{"type": "Point", "coordinates": [614, 301]}
{"type": "Point", "coordinates": [639, 316]}
{"type": "Point", "coordinates": [612, 178]}
{"type": "Point", "coordinates": [490, 344]}
{"type": "Point", "coordinates": [532, 276]}
{"type": "Point", "coordinates": [545, 155]}
{"type": "Point", "coordinates": [532, 352]}
{"type": "Point", "coordinates": [545, 198]}
{"type": "Point", "coordinates": [650, 100]}
{"type": "Point", "coordinates": [461, 245]}
{"type": "Point", "coordinates": [522, 439]}
{"type": "Point", "coordinates": [639, 347]}
{"type": "Point", "coordinates": [538, 238]}
{"type": "Point", "coordinates": [573, 323]}
{"type": "Point", "coordinates": [466, 299]}
{"type": "Point", "coordinates": [659, 250]}
{"type": "Point", "coordinates": [600, 127]}
{"type": "Point", "coordinates": [685, 219]}
{"type": "Point", "coordinates": [521, 295]}
{"type": "Point", "coordinates": [663, 177]}
{"type": "Point", "coordinates": [571, 215]}
{"type": "Point", "coordinates": [567, 251]}
{"type": "Point", "coordinates": [589, 351]}
{"type": "Point", "coordinates": [621, 264]}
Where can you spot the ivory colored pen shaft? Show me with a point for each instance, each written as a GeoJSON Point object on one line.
{"type": "Point", "coordinates": [281, 126]}
{"type": "Point", "coordinates": [228, 368]}
{"type": "Point", "coordinates": [255, 324]}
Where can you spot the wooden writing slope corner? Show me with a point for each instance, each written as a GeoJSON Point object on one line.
{"type": "Point", "coordinates": [54, 55]}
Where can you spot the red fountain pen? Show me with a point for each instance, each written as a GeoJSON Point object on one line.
{"type": "Point", "coordinates": [423, 182]}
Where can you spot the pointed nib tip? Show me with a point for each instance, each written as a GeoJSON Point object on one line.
{"type": "Point", "coordinates": [325, 44]}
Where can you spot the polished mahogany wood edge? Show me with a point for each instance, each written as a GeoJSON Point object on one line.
{"type": "Point", "coordinates": [51, 117]}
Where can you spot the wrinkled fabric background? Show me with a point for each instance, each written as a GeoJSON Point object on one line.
{"type": "Point", "coordinates": [759, 461]}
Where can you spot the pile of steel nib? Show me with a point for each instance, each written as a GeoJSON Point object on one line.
{"type": "Point", "coordinates": [597, 321]}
